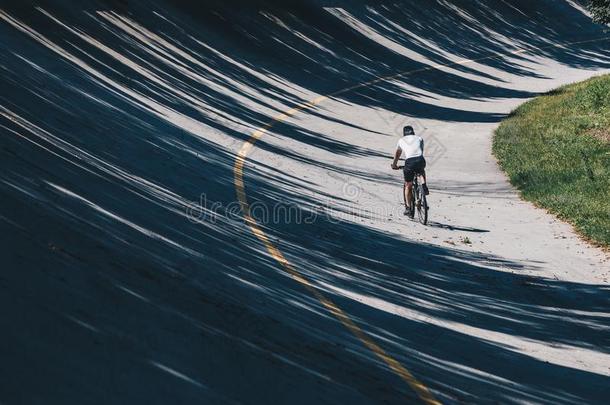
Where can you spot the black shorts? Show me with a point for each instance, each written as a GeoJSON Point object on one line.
{"type": "Point", "coordinates": [413, 166]}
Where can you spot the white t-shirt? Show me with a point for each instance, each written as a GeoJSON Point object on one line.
{"type": "Point", "coordinates": [411, 146]}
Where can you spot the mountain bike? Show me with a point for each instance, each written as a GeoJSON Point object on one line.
{"type": "Point", "coordinates": [419, 202]}
{"type": "Point", "coordinates": [418, 199]}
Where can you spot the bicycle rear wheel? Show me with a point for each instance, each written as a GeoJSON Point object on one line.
{"type": "Point", "coordinates": [422, 207]}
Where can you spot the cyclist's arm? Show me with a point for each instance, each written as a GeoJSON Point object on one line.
{"type": "Point", "coordinates": [397, 155]}
{"type": "Point", "coordinates": [422, 146]}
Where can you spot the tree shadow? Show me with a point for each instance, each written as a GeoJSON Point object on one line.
{"type": "Point", "coordinates": [129, 275]}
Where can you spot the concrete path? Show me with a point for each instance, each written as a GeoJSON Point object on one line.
{"type": "Point", "coordinates": [180, 224]}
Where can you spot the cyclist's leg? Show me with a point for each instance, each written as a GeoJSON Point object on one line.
{"type": "Point", "coordinates": [422, 170]}
{"type": "Point", "coordinates": [409, 175]}
{"type": "Point", "coordinates": [408, 190]}
{"type": "Point", "coordinates": [424, 180]}
{"type": "Point", "coordinates": [424, 183]}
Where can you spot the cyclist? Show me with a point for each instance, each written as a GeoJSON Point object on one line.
{"type": "Point", "coordinates": [412, 146]}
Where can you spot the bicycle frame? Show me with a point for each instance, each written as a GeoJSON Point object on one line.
{"type": "Point", "coordinates": [418, 199]}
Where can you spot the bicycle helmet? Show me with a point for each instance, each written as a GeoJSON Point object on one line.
{"type": "Point", "coordinates": [408, 130]}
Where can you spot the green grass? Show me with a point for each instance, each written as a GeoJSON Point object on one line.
{"type": "Point", "coordinates": [556, 151]}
